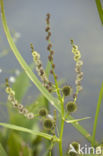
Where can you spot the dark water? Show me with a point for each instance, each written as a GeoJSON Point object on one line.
{"type": "Point", "coordinates": [78, 20]}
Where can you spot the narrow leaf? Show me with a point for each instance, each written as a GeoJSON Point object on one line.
{"type": "Point", "coordinates": [2, 151]}
{"type": "Point", "coordinates": [97, 114]}
{"type": "Point", "coordinates": [18, 128]}
{"type": "Point", "coordinates": [76, 120]}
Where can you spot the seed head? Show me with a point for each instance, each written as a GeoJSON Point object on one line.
{"type": "Point", "coordinates": [43, 112]}
{"type": "Point", "coordinates": [48, 124]}
{"type": "Point", "coordinates": [75, 145]}
{"type": "Point", "coordinates": [71, 107]}
{"type": "Point", "coordinates": [66, 90]}
{"type": "Point", "coordinates": [71, 153]}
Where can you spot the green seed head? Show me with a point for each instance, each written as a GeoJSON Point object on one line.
{"type": "Point", "coordinates": [67, 90]}
{"type": "Point", "coordinates": [71, 106]}
{"type": "Point", "coordinates": [48, 124]}
{"type": "Point", "coordinates": [43, 112]}
{"type": "Point", "coordinates": [72, 154]}
{"type": "Point", "coordinates": [75, 145]}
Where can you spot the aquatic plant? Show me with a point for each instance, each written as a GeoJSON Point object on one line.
{"type": "Point", "coordinates": [47, 88]}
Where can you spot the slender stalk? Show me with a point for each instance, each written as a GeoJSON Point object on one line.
{"type": "Point", "coordinates": [62, 115]}
{"type": "Point", "coordinates": [100, 10]}
{"type": "Point", "coordinates": [97, 114]}
{"type": "Point", "coordinates": [61, 135]}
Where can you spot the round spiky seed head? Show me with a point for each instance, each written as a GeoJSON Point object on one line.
{"type": "Point", "coordinates": [43, 112]}
{"type": "Point", "coordinates": [75, 145]}
{"type": "Point", "coordinates": [48, 124]}
{"type": "Point", "coordinates": [71, 153]}
{"type": "Point", "coordinates": [66, 90]}
{"type": "Point", "coordinates": [71, 106]}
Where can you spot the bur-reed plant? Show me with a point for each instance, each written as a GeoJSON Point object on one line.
{"type": "Point", "coordinates": [47, 88]}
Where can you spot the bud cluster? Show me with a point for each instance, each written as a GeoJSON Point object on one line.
{"type": "Point", "coordinates": [21, 109]}
{"type": "Point", "coordinates": [41, 72]}
{"type": "Point", "coordinates": [49, 47]}
{"type": "Point", "coordinates": [78, 66]}
{"type": "Point", "coordinates": [48, 26]}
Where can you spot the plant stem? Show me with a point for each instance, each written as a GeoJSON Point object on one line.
{"type": "Point", "coordinates": [100, 10]}
{"type": "Point", "coordinates": [61, 135]}
{"type": "Point", "coordinates": [97, 114]}
{"type": "Point", "coordinates": [62, 115]}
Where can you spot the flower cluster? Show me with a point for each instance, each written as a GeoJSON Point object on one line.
{"type": "Point", "coordinates": [48, 27]}
{"type": "Point", "coordinates": [49, 47]}
{"type": "Point", "coordinates": [79, 63]}
{"type": "Point", "coordinates": [41, 72]}
{"type": "Point", "coordinates": [11, 98]}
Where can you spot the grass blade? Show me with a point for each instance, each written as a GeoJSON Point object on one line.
{"type": "Point", "coordinates": [22, 129]}
{"type": "Point", "coordinates": [82, 131]}
{"type": "Point", "coordinates": [2, 151]}
{"type": "Point", "coordinates": [76, 120]}
{"type": "Point", "coordinates": [100, 10]}
{"type": "Point", "coordinates": [97, 114]}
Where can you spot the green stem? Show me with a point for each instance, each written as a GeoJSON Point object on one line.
{"type": "Point", "coordinates": [96, 115]}
{"type": "Point", "coordinates": [100, 10]}
{"type": "Point", "coordinates": [61, 136]}
{"type": "Point", "coordinates": [62, 116]}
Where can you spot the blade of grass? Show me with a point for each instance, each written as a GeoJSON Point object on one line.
{"type": "Point", "coordinates": [97, 114]}
{"type": "Point", "coordinates": [2, 151]}
{"type": "Point", "coordinates": [100, 10]}
{"type": "Point", "coordinates": [82, 131]}
{"type": "Point", "coordinates": [18, 128]}
{"type": "Point", "coordinates": [31, 75]}
{"type": "Point", "coordinates": [76, 120]}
